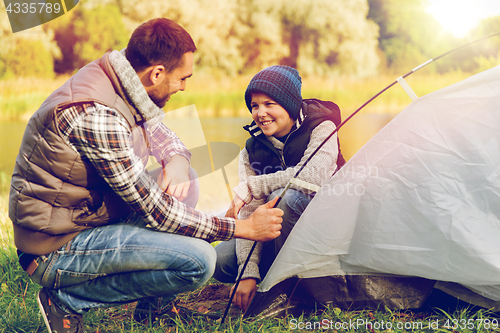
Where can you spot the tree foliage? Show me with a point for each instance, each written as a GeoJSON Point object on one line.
{"type": "Point", "coordinates": [487, 53]}
{"type": "Point", "coordinates": [238, 36]}
{"type": "Point", "coordinates": [23, 54]}
{"type": "Point", "coordinates": [209, 22]}
{"type": "Point", "coordinates": [28, 58]}
{"type": "Point", "coordinates": [86, 33]}
{"type": "Point", "coordinates": [318, 37]}
{"type": "Point", "coordinates": [408, 34]}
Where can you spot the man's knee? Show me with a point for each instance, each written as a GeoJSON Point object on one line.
{"type": "Point", "coordinates": [206, 259]}
{"type": "Point", "coordinates": [226, 268]}
{"type": "Point", "coordinates": [211, 259]}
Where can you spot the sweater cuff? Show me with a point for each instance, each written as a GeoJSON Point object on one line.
{"type": "Point", "coordinates": [243, 192]}
{"type": "Point", "coordinates": [251, 271]}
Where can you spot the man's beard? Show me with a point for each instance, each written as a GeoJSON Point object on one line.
{"type": "Point", "coordinates": [160, 102]}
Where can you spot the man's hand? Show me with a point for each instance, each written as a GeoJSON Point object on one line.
{"type": "Point", "coordinates": [235, 207]}
{"type": "Point", "coordinates": [263, 225]}
{"type": "Point", "coordinates": [175, 177]}
{"type": "Point", "coordinates": [245, 293]}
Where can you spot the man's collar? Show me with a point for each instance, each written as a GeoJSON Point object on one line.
{"type": "Point", "coordinates": [133, 90]}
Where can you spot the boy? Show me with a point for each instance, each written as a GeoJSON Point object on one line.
{"type": "Point", "coordinates": [284, 133]}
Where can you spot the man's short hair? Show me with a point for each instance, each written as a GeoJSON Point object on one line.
{"type": "Point", "coordinates": [159, 41]}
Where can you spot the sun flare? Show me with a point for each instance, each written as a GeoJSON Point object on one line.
{"type": "Point", "coordinates": [460, 16]}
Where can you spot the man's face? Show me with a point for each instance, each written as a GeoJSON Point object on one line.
{"type": "Point", "coordinates": [173, 81]}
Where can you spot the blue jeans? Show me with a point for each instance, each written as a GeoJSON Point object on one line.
{"type": "Point", "coordinates": [122, 263]}
{"type": "Point", "coordinates": [293, 205]}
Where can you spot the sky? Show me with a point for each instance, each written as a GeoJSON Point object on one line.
{"type": "Point", "coordinates": [460, 16]}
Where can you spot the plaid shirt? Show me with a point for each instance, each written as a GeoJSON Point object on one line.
{"type": "Point", "coordinates": [103, 137]}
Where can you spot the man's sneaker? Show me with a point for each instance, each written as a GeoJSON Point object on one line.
{"type": "Point", "coordinates": [56, 319]}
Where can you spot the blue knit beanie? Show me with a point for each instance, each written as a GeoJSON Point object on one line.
{"type": "Point", "coordinates": [281, 83]}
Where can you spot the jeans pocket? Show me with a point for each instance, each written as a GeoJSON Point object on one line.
{"type": "Point", "coordinates": [39, 275]}
{"type": "Point", "coordinates": [68, 278]}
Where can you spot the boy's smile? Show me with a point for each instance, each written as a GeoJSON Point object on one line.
{"type": "Point", "coordinates": [266, 122]}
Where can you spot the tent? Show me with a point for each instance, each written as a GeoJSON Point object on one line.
{"type": "Point", "coordinates": [415, 209]}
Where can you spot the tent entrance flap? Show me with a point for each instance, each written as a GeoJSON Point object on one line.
{"type": "Point", "coordinates": [294, 295]}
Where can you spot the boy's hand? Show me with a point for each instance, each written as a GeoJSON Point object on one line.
{"type": "Point", "coordinates": [245, 293]}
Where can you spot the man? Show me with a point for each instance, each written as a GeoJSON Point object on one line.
{"type": "Point", "coordinates": [90, 224]}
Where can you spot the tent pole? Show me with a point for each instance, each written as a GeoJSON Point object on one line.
{"type": "Point", "coordinates": [328, 138]}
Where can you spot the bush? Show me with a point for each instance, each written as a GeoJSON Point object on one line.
{"type": "Point", "coordinates": [28, 58]}
{"type": "Point", "coordinates": [85, 34]}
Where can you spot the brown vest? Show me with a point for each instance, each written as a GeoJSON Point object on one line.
{"type": "Point", "coordinates": [54, 194]}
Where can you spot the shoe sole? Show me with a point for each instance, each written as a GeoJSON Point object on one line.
{"type": "Point", "coordinates": [45, 318]}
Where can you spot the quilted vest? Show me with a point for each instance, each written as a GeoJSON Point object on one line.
{"type": "Point", "coordinates": [55, 194]}
{"type": "Point", "coordinates": [265, 158]}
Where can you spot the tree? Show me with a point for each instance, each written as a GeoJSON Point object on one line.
{"type": "Point", "coordinates": [260, 35]}
{"type": "Point", "coordinates": [408, 34]}
{"type": "Point", "coordinates": [29, 54]}
{"type": "Point", "coordinates": [486, 54]}
{"type": "Point", "coordinates": [86, 33]}
{"type": "Point", "coordinates": [27, 58]}
{"type": "Point", "coordinates": [317, 37]}
{"type": "Point", "coordinates": [209, 22]}
{"type": "Point", "coordinates": [238, 36]}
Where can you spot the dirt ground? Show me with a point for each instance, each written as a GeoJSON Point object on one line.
{"type": "Point", "coordinates": [211, 299]}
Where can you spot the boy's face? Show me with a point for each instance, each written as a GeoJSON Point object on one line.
{"type": "Point", "coordinates": [271, 117]}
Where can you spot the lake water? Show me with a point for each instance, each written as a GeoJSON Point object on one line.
{"type": "Point", "coordinates": [197, 132]}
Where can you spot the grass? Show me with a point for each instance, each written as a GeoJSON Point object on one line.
{"type": "Point", "coordinates": [20, 97]}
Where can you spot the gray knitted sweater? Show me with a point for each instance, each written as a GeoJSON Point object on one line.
{"type": "Point", "coordinates": [253, 189]}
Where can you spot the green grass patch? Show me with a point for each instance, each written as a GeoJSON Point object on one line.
{"type": "Point", "coordinates": [16, 106]}
{"type": "Point", "coordinates": [20, 97]}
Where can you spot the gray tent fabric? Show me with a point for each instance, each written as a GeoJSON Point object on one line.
{"type": "Point", "coordinates": [420, 199]}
